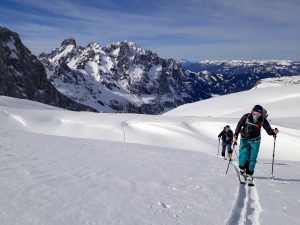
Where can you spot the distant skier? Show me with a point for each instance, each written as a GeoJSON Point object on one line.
{"type": "Point", "coordinates": [227, 136]}
{"type": "Point", "coordinates": [249, 126]}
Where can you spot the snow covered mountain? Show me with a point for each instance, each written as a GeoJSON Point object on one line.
{"type": "Point", "coordinates": [224, 77]}
{"type": "Point", "coordinates": [120, 77]}
{"type": "Point", "coordinates": [22, 75]}
{"type": "Point", "coordinates": [277, 82]}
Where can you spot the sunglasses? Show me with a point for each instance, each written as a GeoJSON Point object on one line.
{"type": "Point", "coordinates": [256, 114]}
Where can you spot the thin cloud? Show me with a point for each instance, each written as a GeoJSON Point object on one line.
{"type": "Point", "coordinates": [163, 26]}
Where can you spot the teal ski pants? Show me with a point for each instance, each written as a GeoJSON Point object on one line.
{"type": "Point", "coordinates": [248, 154]}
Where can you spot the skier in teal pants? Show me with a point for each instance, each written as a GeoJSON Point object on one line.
{"type": "Point", "coordinates": [249, 126]}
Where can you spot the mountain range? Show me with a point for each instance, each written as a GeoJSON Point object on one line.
{"type": "Point", "coordinates": [225, 77]}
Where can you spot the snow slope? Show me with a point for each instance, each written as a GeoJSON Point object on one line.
{"type": "Point", "coordinates": [283, 107]}
{"type": "Point", "coordinates": [59, 180]}
{"type": "Point", "coordinates": [62, 167]}
{"type": "Point", "coordinates": [277, 82]}
{"type": "Point", "coordinates": [276, 100]}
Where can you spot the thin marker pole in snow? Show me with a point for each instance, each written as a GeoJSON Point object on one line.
{"type": "Point", "coordinates": [123, 123]}
{"type": "Point", "coordinates": [218, 148]}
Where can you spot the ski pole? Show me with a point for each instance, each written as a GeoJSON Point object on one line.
{"type": "Point", "coordinates": [230, 158]}
{"type": "Point", "coordinates": [237, 157]}
{"type": "Point", "coordinates": [273, 155]}
{"type": "Point", "coordinates": [218, 148]}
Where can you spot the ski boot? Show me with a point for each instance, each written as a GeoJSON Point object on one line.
{"type": "Point", "coordinates": [243, 177]}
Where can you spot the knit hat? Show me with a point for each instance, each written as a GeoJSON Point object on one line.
{"type": "Point", "coordinates": [257, 108]}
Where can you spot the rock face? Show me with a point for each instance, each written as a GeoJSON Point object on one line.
{"type": "Point", "coordinates": [22, 75]}
{"type": "Point", "coordinates": [120, 77]}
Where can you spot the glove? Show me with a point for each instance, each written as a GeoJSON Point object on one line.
{"type": "Point", "coordinates": [275, 131]}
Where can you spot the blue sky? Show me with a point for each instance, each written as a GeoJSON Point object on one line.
{"type": "Point", "coordinates": [189, 29]}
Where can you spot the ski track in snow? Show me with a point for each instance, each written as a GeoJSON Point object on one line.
{"type": "Point", "coordinates": [247, 207]}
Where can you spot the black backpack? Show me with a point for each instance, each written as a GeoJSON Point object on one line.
{"type": "Point", "coordinates": [264, 114]}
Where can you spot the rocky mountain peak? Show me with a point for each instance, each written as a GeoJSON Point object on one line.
{"type": "Point", "coordinates": [67, 42]}
{"type": "Point", "coordinates": [125, 48]}
{"type": "Point", "coordinates": [12, 45]}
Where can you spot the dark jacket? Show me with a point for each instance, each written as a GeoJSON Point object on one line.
{"type": "Point", "coordinates": [250, 130]}
{"type": "Point", "coordinates": [226, 136]}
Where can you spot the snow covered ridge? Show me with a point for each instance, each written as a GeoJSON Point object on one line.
{"type": "Point", "coordinates": [277, 82]}
{"type": "Point", "coordinates": [119, 77]}
{"type": "Point", "coordinates": [277, 100]}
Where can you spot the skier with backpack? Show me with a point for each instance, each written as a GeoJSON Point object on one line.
{"type": "Point", "coordinates": [249, 126]}
{"type": "Point", "coordinates": [227, 136]}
